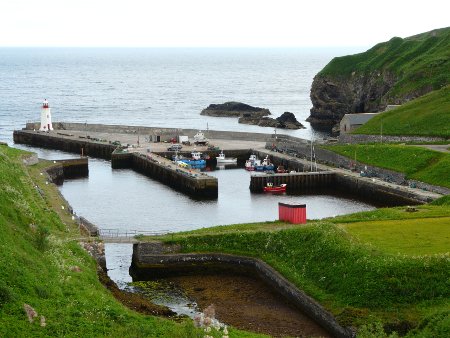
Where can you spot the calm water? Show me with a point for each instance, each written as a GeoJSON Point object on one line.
{"type": "Point", "coordinates": [155, 87]}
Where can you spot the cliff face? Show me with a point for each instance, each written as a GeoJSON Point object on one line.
{"type": "Point", "coordinates": [391, 72]}
{"type": "Point", "coordinates": [333, 97]}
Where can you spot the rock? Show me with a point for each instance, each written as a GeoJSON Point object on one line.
{"type": "Point", "coordinates": [289, 121]}
{"type": "Point", "coordinates": [285, 121]}
{"type": "Point", "coordinates": [332, 98]}
{"type": "Point", "coordinates": [234, 109]}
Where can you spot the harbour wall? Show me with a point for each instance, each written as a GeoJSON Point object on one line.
{"type": "Point", "coordinates": [78, 146]}
{"type": "Point", "coordinates": [72, 168]}
{"type": "Point", "coordinates": [302, 149]}
{"type": "Point", "coordinates": [192, 183]}
{"type": "Point", "coordinates": [366, 189]}
{"type": "Point", "coordinates": [196, 185]}
{"type": "Point", "coordinates": [146, 263]}
{"type": "Point", "coordinates": [295, 181]}
{"type": "Point", "coordinates": [164, 134]}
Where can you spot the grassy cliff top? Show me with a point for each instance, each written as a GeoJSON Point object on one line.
{"type": "Point", "coordinates": [428, 115]}
{"type": "Point", "coordinates": [418, 62]}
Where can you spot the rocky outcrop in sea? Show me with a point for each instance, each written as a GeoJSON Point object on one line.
{"type": "Point", "coordinates": [286, 121]}
{"type": "Point", "coordinates": [234, 109]}
{"type": "Point", "coordinates": [252, 115]}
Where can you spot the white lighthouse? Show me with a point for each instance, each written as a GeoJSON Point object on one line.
{"type": "Point", "coordinates": [46, 117]}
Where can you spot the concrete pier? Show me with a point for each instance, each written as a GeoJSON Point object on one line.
{"type": "Point", "coordinates": [139, 142]}
{"type": "Point", "coordinates": [294, 181]}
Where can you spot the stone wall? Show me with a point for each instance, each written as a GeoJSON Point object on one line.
{"type": "Point", "coordinates": [356, 138]}
{"type": "Point", "coordinates": [165, 133]}
{"type": "Point", "coordinates": [298, 148]}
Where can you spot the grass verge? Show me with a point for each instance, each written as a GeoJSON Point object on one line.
{"type": "Point", "coordinates": [415, 162]}
{"type": "Point", "coordinates": [428, 115]}
{"type": "Point", "coordinates": [43, 265]}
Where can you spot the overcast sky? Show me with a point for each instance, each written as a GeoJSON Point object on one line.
{"type": "Point", "coordinates": [215, 23]}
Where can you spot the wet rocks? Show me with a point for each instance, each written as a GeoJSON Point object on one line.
{"type": "Point", "coordinates": [252, 115]}
{"type": "Point", "coordinates": [234, 109]}
{"type": "Point", "coordinates": [286, 121]}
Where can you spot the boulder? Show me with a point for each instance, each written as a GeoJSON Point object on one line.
{"type": "Point", "coordinates": [285, 121]}
{"type": "Point", "coordinates": [234, 109]}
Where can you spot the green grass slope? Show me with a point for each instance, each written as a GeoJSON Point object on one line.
{"type": "Point", "coordinates": [428, 115]}
{"type": "Point", "coordinates": [417, 163]}
{"type": "Point", "coordinates": [420, 63]}
{"type": "Point", "coordinates": [37, 255]}
{"type": "Point", "coordinates": [354, 278]}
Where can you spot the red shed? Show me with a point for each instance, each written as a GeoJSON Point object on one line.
{"type": "Point", "coordinates": [292, 213]}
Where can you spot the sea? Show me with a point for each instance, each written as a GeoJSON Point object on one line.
{"type": "Point", "coordinates": [166, 87]}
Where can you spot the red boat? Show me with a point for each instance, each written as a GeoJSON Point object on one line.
{"type": "Point", "coordinates": [277, 188]}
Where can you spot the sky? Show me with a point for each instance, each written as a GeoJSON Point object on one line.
{"type": "Point", "coordinates": [215, 23]}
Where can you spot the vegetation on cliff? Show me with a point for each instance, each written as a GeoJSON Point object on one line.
{"type": "Point", "coordinates": [391, 72]}
{"type": "Point", "coordinates": [417, 163]}
{"type": "Point", "coordinates": [43, 265]}
{"type": "Point", "coordinates": [420, 63]}
{"type": "Point", "coordinates": [428, 115]}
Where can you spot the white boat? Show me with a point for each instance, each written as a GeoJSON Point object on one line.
{"type": "Point", "coordinates": [200, 139]}
{"type": "Point", "coordinates": [221, 159]}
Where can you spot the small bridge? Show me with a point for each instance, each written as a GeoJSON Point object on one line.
{"type": "Point", "coordinates": [127, 235]}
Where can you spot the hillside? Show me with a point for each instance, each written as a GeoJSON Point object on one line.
{"type": "Point", "coordinates": [43, 265]}
{"type": "Point", "coordinates": [361, 276]}
{"type": "Point", "coordinates": [392, 72]}
{"type": "Point", "coordinates": [428, 115]}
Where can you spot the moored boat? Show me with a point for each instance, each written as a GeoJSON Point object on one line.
{"type": "Point", "coordinates": [275, 188]}
{"type": "Point", "coordinates": [251, 162]}
{"type": "Point", "coordinates": [281, 169]}
{"type": "Point", "coordinates": [221, 159]}
{"type": "Point", "coordinates": [196, 161]}
{"type": "Point", "coordinates": [267, 166]}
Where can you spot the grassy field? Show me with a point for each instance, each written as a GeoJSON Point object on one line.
{"type": "Point", "coordinates": [350, 274]}
{"type": "Point", "coordinates": [420, 236]}
{"type": "Point", "coordinates": [419, 62]}
{"type": "Point", "coordinates": [417, 163]}
{"type": "Point", "coordinates": [428, 115]}
{"type": "Point", "coordinates": [38, 252]}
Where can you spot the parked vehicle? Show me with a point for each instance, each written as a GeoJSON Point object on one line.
{"type": "Point", "coordinates": [175, 147]}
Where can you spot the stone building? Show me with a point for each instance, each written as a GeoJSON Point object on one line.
{"type": "Point", "coordinates": [352, 121]}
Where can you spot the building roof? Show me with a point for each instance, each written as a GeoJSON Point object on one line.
{"type": "Point", "coordinates": [358, 118]}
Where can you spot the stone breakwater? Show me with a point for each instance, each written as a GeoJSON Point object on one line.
{"type": "Point", "coordinates": [392, 183]}
{"type": "Point", "coordinates": [148, 261]}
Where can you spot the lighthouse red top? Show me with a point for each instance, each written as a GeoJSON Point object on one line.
{"type": "Point", "coordinates": [45, 104]}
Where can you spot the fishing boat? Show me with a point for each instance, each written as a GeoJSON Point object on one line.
{"type": "Point", "coordinates": [200, 139]}
{"type": "Point", "coordinates": [221, 159]}
{"type": "Point", "coordinates": [196, 161]}
{"type": "Point", "coordinates": [275, 188]}
{"type": "Point", "coordinates": [281, 169]}
{"type": "Point", "coordinates": [251, 162]}
{"type": "Point", "coordinates": [267, 166]}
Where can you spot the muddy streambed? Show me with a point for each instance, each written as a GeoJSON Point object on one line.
{"type": "Point", "coordinates": [241, 301]}
{"type": "Point", "coordinates": [247, 303]}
